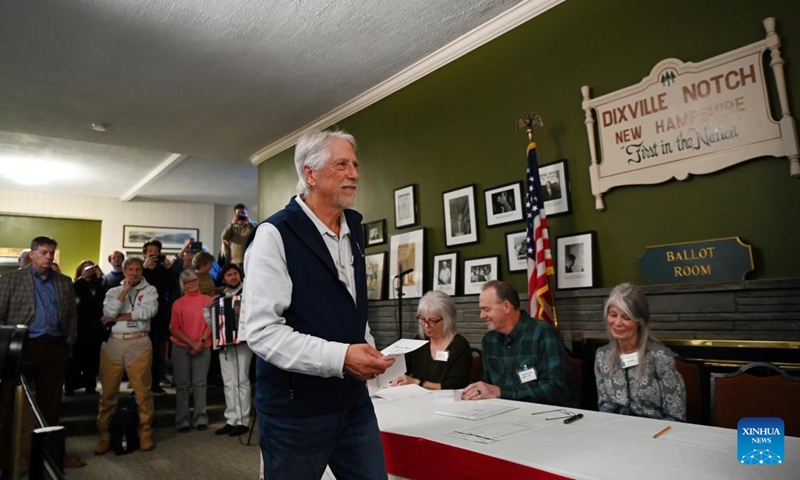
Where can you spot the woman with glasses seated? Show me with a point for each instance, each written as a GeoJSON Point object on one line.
{"type": "Point", "coordinates": [636, 375]}
{"type": "Point", "coordinates": [445, 362]}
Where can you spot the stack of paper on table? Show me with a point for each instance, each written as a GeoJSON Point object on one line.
{"type": "Point", "coordinates": [472, 410]}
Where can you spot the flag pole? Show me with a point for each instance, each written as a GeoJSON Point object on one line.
{"type": "Point", "coordinates": [528, 121]}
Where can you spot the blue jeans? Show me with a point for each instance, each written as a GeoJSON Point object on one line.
{"type": "Point", "coordinates": [299, 448]}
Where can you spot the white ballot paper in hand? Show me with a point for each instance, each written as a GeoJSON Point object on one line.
{"type": "Point", "coordinates": [396, 351]}
{"type": "Point", "coordinates": [402, 346]}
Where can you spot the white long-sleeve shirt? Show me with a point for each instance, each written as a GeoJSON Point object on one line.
{"type": "Point", "coordinates": [141, 302]}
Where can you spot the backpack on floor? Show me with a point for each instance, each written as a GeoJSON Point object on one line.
{"type": "Point", "coordinates": [124, 430]}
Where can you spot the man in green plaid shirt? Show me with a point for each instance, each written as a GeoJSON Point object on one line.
{"type": "Point", "coordinates": [523, 358]}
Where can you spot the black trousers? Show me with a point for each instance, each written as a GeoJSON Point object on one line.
{"type": "Point", "coordinates": [159, 333]}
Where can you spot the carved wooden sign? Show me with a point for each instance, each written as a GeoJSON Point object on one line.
{"type": "Point", "coordinates": [690, 118]}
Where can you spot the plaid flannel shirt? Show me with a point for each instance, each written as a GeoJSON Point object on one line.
{"type": "Point", "coordinates": [532, 343]}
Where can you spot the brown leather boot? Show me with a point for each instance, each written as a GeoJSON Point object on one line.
{"type": "Point", "coordinates": [146, 441]}
{"type": "Point", "coordinates": [104, 445]}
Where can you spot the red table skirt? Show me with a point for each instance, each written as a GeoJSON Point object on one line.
{"type": "Point", "coordinates": [417, 458]}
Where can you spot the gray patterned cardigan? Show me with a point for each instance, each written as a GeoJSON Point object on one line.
{"type": "Point", "coordinates": [659, 393]}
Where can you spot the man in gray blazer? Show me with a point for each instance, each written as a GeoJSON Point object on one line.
{"type": "Point", "coordinates": [44, 301]}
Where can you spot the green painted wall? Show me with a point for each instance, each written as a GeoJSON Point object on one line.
{"type": "Point", "coordinates": [78, 240]}
{"type": "Point", "coordinates": [456, 127]}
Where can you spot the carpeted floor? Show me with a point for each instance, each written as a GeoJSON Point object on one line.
{"type": "Point", "coordinates": [194, 455]}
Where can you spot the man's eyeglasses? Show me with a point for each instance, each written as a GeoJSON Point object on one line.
{"type": "Point", "coordinates": [430, 322]}
{"type": "Point", "coordinates": [562, 411]}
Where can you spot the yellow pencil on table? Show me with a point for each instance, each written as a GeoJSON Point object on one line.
{"type": "Point", "coordinates": [662, 432]}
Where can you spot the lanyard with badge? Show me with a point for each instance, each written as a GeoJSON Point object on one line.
{"type": "Point", "coordinates": [526, 374]}
{"type": "Point", "coordinates": [132, 300]}
{"type": "Point", "coordinates": [628, 360]}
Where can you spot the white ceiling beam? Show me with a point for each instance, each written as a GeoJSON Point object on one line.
{"type": "Point", "coordinates": [456, 49]}
{"type": "Point", "coordinates": [160, 170]}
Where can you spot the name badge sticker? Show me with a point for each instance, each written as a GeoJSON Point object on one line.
{"type": "Point", "coordinates": [629, 359]}
{"type": "Point", "coordinates": [131, 324]}
{"type": "Point", "coordinates": [526, 374]}
{"type": "Point", "coordinates": [442, 355]}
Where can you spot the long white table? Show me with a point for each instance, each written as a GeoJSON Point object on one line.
{"type": "Point", "coordinates": [598, 446]}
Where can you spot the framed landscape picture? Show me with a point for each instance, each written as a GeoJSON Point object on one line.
{"type": "Point", "coordinates": [575, 260]}
{"type": "Point", "coordinates": [375, 233]}
{"type": "Point", "coordinates": [460, 219]}
{"type": "Point", "coordinates": [405, 206]}
{"type": "Point", "coordinates": [478, 271]}
{"type": "Point", "coordinates": [504, 204]}
{"type": "Point", "coordinates": [555, 188]}
{"type": "Point", "coordinates": [406, 252]}
{"type": "Point", "coordinates": [517, 250]}
{"type": "Point", "coordinates": [171, 238]}
{"type": "Point", "coordinates": [445, 273]}
{"type": "Point", "coordinates": [376, 264]}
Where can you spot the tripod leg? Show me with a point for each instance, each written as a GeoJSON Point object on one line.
{"type": "Point", "coordinates": [251, 427]}
{"type": "Point", "coordinates": [16, 441]}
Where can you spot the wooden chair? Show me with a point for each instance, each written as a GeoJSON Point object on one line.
{"type": "Point", "coordinates": [692, 373]}
{"type": "Point", "coordinates": [758, 389]}
{"type": "Point", "coordinates": [476, 372]}
{"type": "Point", "coordinates": [576, 365]}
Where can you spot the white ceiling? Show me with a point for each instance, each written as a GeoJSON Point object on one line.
{"type": "Point", "coordinates": [192, 89]}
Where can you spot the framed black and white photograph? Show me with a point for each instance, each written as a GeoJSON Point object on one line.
{"type": "Point", "coordinates": [555, 188]}
{"type": "Point", "coordinates": [445, 273]}
{"type": "Point", "coordinates": [376, 264]}
{"type": "Point", "coordinates": [460, 218]}
{"type": "Point", "coordinates": [171, 238]}
{"type": "Point", "coordinates": [504, 204]}
{"type": "Point", "coordinates": [478, 271]}
{"type": "Point", "coordinates": [375, 232]}
{"type": "Point", "coordinates": [405, 206]}
{"type": "Point", "coordinates": [406, 252]}
{"type": "Point", "coordinates": [517, 250]}
{"type": "Point", "coordinates": [575, 260]}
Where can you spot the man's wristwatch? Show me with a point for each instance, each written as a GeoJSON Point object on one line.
{"type": "Point", "coordinates": [421, 381]}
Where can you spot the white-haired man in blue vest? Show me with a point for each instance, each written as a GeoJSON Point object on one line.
{"type": "Point", "coordinates": [305, 307]}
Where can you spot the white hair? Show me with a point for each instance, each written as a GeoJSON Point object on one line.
{"type": "Point", "coordinates": [312, 151]}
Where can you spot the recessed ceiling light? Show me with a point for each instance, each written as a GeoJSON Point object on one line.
{"type": "Point", "coordinates": [100, 127]}
{"type": "Point", "coordinates": [34, 171]}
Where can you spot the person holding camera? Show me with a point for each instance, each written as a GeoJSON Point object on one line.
{"type": "Point", "coordinates": [235, 235]}
{"type": "Point", "coordinates": [163, 279]}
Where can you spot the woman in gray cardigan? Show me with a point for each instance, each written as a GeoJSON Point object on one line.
{"type": "Point", "coordinates": [636, 374]}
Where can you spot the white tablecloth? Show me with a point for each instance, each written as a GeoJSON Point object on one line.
{"type": "Point", "coordinates": [599, 446]}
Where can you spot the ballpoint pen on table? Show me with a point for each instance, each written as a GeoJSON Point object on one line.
{"type": "Point", "coordinates": [573, 418]}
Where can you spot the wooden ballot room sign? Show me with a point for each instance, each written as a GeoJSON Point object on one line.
{"type": "Point", "coordinates": [717, 260]}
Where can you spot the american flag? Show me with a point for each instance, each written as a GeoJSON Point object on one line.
{"type": "Point", "coordinates": [540, 262]}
